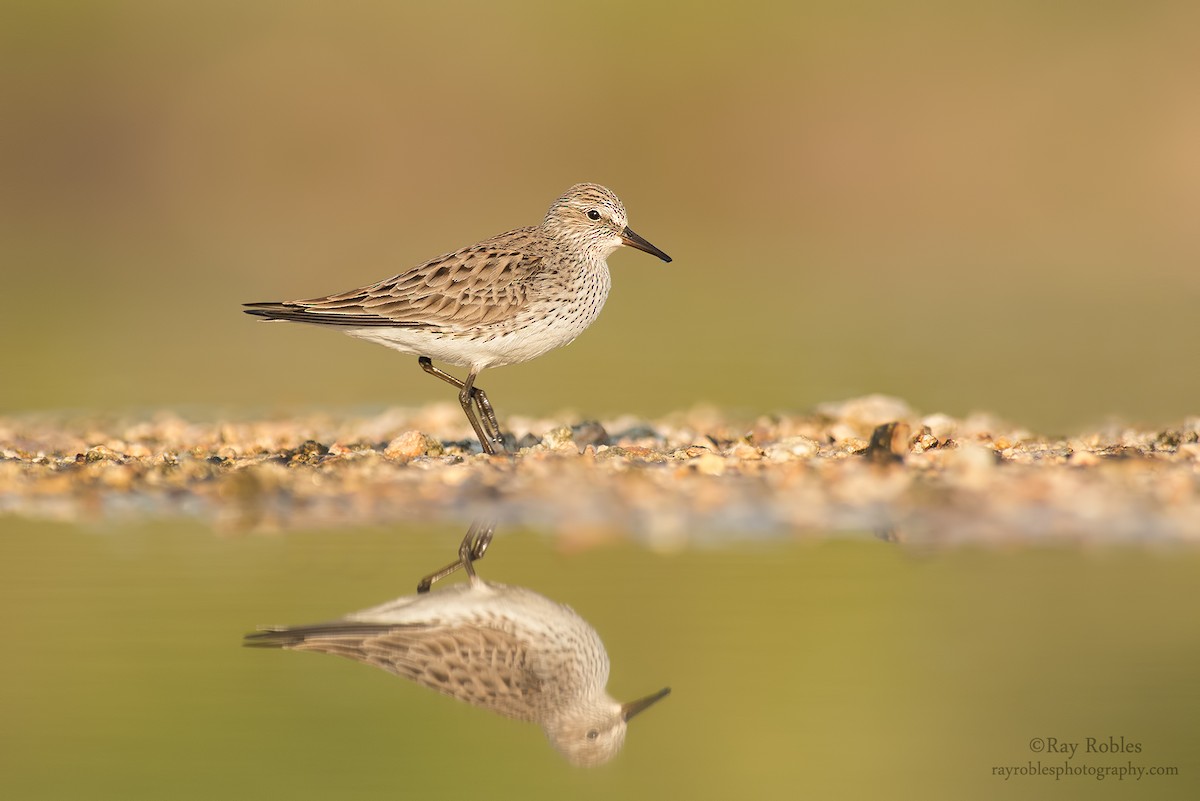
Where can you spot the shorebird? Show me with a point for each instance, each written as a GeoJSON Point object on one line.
{"type": "Point", "coordinates": [496, 646]}
{"type": "Point", "coordinates": [505, 300]}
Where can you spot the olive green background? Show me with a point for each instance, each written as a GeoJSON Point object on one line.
{"type": "Point", "coordinates": [972, 206]}
{"type": "Point", "coordinates": [981, 206]}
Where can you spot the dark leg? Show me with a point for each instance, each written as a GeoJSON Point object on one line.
{"type": "Point", "coordinates": [472, 549]}
{"type": "Point", "coordinates": [479, 411]}
{"type": "Point", "coordinates": [489, 416]}
{"type": "Point", "coordinates": [475, 405]}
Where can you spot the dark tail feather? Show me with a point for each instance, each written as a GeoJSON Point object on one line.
{"type": "Point", "coordinates": [272, 638]}
{"type": "Point", "coordinates": [271, 310]}
{"type": "Point", "coordinates": [284, 637]}
{"type": "Point", "coordinates": [299, 313]}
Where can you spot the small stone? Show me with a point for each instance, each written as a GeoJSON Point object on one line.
{"type": "Point", "coordinates": [139, 451]}
{"type": "Point", "coordinates": [709, 464]}
{"type": "Point", "coordinates": [560, 439]}
{"type": "Point", "coordinates": [925, 441]}
{"type": "Point", "coordinates": [941, 426]}
{"type": "Point", "coordinates": [589, 432]}
{"type": "Point", "coordinates": [412, 444]}
{"type": "Point", "coordinates": [632, 452]}
{"type": "Point", "coordinates": [791, 448]}
{"type": "Point", "coordinates": [310, 452]}
{"type": "Point", "coordinates": [100, 454]}
{"type": "Point", "coordinates": [527, 441]}
{"type": "Point", "coordinates": [744, 452]}
{"type": "Point", "coordinates": [889, 443]}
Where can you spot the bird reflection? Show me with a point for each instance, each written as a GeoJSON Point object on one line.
{"type": "Point", "coordinates": [495, 646]}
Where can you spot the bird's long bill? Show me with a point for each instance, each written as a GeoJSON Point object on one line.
{"type": "Point", "coordinates": [635, 241]}
{"type": "Point", "coordinates": [641, 704]}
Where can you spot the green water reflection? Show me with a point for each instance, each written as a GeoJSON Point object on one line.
{"type": "Point", "coordinates": [838, 669]}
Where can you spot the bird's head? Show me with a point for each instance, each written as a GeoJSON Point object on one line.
{"type": "Point", "coordinates": [590, 218]}
{"type": "Point", "coordinates": [593, 734]}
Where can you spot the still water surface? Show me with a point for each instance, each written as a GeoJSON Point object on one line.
{"type": "Point", "coordinates": [842, 668]}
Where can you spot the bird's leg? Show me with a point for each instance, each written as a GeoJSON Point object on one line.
{"type": "Point", "coordinates": [475, 405]}
{"type": "Point", "coordinates": [475, 544]}
{"type": "Point", "coordinates": [479, 411]}
{"type": "Point", "coordinates": [473, 547]}
{"type": "Point", "coordinates": [482, 537]}
{"type": "Point", "coordinates": [489, 417]}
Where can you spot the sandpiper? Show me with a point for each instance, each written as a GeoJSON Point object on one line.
{"type": "Point", "coordinates": [495, 646]}
{"type": "Point", "coordinates": [505, 300]}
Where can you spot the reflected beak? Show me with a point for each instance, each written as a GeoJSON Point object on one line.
{"type": "Point", "coordinates": [635, 241]}
{"type": "Point", "coordinates": [641, 704]}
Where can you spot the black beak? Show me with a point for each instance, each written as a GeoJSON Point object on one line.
{"type": "Point", "coordinates": [635, 241]}
{"type": "Point", "coordinates": [634, 707]}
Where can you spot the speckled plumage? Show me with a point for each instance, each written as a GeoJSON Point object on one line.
{"type": "Point", "coordinates": [495, 646]}
{"type": "Point", "coordinates": [505, 300]}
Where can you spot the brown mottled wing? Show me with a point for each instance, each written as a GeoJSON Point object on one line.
{"type": "Point", "coordinates": [479, 665]}
{"type": "Point", "coordinates": [481, 285]}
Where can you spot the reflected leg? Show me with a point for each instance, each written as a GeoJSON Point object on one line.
{"type": "Point", "coordinates": [472, 549]}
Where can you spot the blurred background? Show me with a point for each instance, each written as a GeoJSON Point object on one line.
{"type": "Point", "coordinates": [974, 206]}
{"type": "Point", "coordinates": [986, 206]}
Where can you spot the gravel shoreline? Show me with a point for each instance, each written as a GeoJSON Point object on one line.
{"type": "Point", "coordinates": [865, 466]}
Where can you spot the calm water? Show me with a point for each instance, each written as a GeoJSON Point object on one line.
{"type": "Point", "coordinates": [845, 668]}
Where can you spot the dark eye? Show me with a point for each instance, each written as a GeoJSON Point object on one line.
{"type": "Point", "coordinates": [593, 215]}
{"type": "Point", "coordinates": [593, 734]}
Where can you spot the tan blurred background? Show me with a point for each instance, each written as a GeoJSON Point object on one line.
{"type": "Point", "coordinates": [988, 208]}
